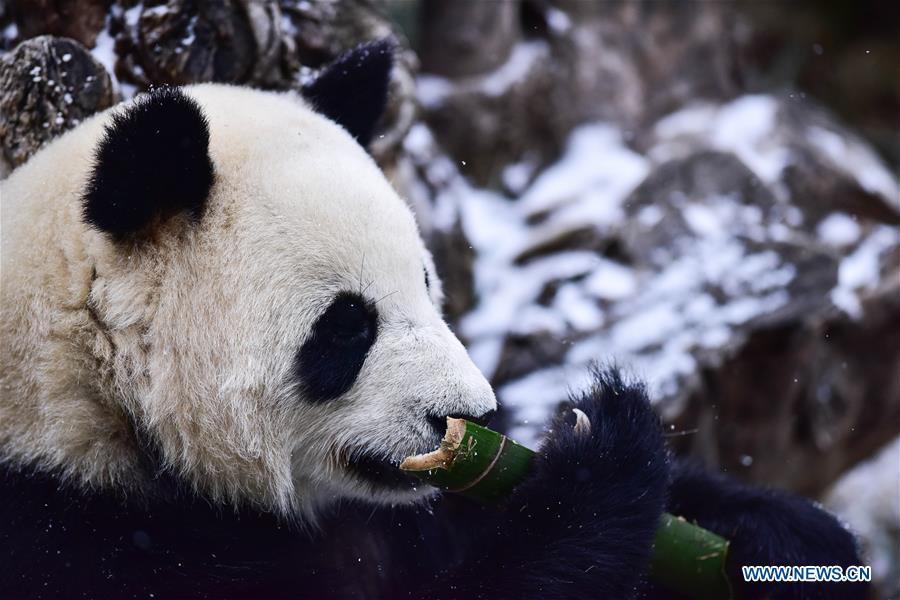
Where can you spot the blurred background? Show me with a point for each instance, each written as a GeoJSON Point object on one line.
{"type": "Point", "coordinates": [705, 193]}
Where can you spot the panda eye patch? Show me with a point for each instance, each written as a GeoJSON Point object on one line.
{"type": "Point", "coordinates": [330, 360]}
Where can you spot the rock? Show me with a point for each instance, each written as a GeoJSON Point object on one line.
{"type": "Point", "coordinates": [851, 69]}
{"type": "Point", "coordinates": [820, 144]}
{"type": "Point", "coordinates": [260, 43]}
{"type": "Point", "coordinates": [565, 63]}
{"type": "Point", "coordinates": [454, 258]}
{"type": "Point", "coordinates": [324, 29]}
{"type": "Point", "coordinates": [524, 354]}
{"type": "Point", "coordinates": [263, 43]}
{"type": "Point", "coordinates": [792, 143]}
{"type": "Point", "coordinates": [810, 392]}
{"type": "Point", "coordinates": [81, 20]}
{"type": "Point", "coordinates": [704, 174]}
{"type": "Point", "coordinates": [567, 236]}
{"type": "Point", "coordinates": [181, 42]}
{"type": "Point", "coordinates": [468, 38]}
{"type": "Point", "coordinates": [47, 86]}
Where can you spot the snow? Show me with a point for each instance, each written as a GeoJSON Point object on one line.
{"type": "Point", "coordinates": [744, 127]}
{"type": "Point", "coordinates": [858, 161]}
{"type": "Point", "coordinates": [133, 14]}
{"type": "Point", "coordinates": [580, 311]}
{"type": "Point", "coordinates": [433, 90]}
{"type": "Point", "coordinates": [515, 69]}
{"type": "Point", "coordinates": [701, 219]}
{"type": "Point", "coordinates": [860, 270]}
{"type": "Point", "coordinates": [498, 230]}
{"type": "Point", "coordinates": [506, 293]}
{"type": "Point", "coordinates": [157, 11]}
{"type": "Point", "coordinates": [419, 141]}
{"type": "Point", "coordinates": [517, 175]}
{"type": "Point", "coordinates": [595, 158]}
{"type": "Point", "coordinates": [649, 216]}
{"type": "Point", "coordinates": [838, 229]}
{"type": "Point", "coordinates": [671, 315]}
{"type": "Point", "coordinates": [11, 31]}
{"type": "Point", "coordinates": [491, 223]}
{"type": "Point", "coordinates": [191, 35]}
{"type": "Point", "coordinates": [287, 26]}
{"type": "Point", "coordinates": [536, 319]}
{"type": "Point", "coordinates": [105, 53]}
{"type": "Point", "coordinates": [693, 120]}
{"type": "Point", "coordinates": [485, 353]}
{"type": "Point", "coordinates": [558, 21]}
{"type": "Point", "coordinates": [645, 329]}
{"type": "Point", "coordinates": [611, 281]}
{"type": "Point", "coordinates": [748, 128]}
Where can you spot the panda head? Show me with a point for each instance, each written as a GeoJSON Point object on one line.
{"type": "Point", "coordinates": [272, 314]}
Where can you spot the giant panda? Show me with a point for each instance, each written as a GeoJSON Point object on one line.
{"type": "Point", "coordinates": [221, 331]}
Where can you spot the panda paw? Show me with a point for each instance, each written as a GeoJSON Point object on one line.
{"type": "Point", "coordinates": [592, 505]}
{"type": "Point", "coordinates": [608, 442]}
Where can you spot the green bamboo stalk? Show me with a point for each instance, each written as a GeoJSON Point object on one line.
{"type": "Point", "coordinates": [485, 465]}
{"type": "Point", "coordinates": [690, 559]}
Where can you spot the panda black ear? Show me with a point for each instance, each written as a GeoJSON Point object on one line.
{"type": "Point", "coordinates": [353, 90]}
{"type": "Point", "coordinates": [153, 162]}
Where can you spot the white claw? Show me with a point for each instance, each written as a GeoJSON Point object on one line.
{"type": "Point", "coordinates": [582, 423]}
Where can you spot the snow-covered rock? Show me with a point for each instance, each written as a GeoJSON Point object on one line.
{"type": "Point", "coordinates": [47, 86]}
{"type": "Point", "coordinates": [685, 261]}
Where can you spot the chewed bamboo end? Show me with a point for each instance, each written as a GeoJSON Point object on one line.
{"type": "Point", "coordinates": [443, 457]}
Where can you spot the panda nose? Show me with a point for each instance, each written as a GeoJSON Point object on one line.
{"type": "Point", "coordinates": [439, 423]}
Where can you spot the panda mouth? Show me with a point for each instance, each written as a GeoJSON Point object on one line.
{"type": "Point", "coordinates": [381, 472]}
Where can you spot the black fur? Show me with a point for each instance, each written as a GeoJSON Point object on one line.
{"type": "Point", "coordinates": [580, 527]}
{"type": "Point", "coordinates": [153, 162]}
{"type": "Point", "coordinates": [353, 90]}
{"type": "Point", "coordinates": [330, 359]}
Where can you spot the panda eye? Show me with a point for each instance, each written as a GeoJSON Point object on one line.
{"type": "Point", "coordinates": [330, 360]}
{"type": "Point", "coordinates": [350, 320]}
{"type": "Point", "coordinates": [427, 280]}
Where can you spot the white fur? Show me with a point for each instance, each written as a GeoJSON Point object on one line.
{"type": "Point", "coordinates": [194, 333]}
